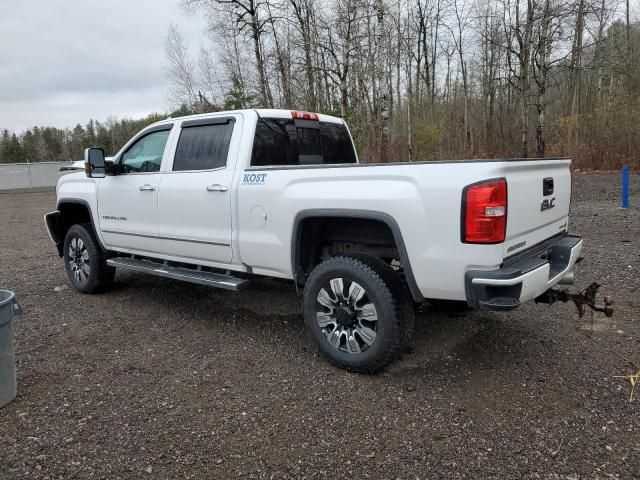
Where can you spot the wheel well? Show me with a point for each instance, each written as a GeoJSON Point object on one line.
{"type": "Point", "coordinates": [320, 234]}
{"type": "Point", "coordinates": [319, 238]}
{"type": "Point", "coordinates": [72, 213]}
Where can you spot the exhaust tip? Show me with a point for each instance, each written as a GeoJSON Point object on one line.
{"type": "Point", "coordinates": [568, 279]}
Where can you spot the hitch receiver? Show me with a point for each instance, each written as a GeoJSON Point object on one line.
{"type": "Point", "coordinates": [585, 297]}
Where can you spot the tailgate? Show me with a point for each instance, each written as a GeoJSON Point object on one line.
{"type": "Point", "coordinates": [539, 193]}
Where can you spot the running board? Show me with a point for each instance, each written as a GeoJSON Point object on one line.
{"type": "Point", "coordinates": [211, 279]}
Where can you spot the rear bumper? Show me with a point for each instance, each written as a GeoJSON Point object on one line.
{"type": "Point", "coordinates": [525, 277]}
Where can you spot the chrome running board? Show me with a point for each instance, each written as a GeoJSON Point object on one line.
{"type": "Point", "coordinates": [200, 277]}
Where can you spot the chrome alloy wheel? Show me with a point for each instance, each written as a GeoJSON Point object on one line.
{"type": "Point", "coordinates": [348, 321]}
{"type": "Point", "coordinates": [79, 259]}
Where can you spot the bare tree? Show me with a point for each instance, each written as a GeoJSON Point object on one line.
{"type": "Point", "coordinates": [428, 78]}
{"type": "Point", "coordinates": [248, 18]}
{"type": "Point", "coordinates": [180, 70]}
{"type": "Point", "coordinates": [340, 43]}
{"type": "Point", "coordinates": [303, 17]}
{"type": "Point", "coordinates": [458, 37]}
{"type": "Point", "coordinates": [547, 32]}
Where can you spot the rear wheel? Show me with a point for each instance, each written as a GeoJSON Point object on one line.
{"type": "Point", "coordinates": [354, 313]}
{"type": "Point", "coordinates": [84, 260]}
{"type": "Point", "coordinates": [400, 292]}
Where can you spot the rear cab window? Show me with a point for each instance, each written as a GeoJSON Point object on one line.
{"type": "Point", "coordinates": [289, 142]}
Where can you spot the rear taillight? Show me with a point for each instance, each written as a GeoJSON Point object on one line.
{"type": "Point", "coordinates": [484, 212]}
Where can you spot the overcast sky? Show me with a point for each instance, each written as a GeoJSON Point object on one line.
{"type": "Point", "coordinates": [63, 62]}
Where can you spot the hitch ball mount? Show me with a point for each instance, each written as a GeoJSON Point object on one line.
{"type": "Point", "coordinates": [585, 297]}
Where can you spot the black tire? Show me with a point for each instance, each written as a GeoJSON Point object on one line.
{"type": "Point", "coordinates": [347, 322]}
{"type": "Point", "coordinates": [400, 290]}
{"type": "Point", "coordinates": [85, 261]}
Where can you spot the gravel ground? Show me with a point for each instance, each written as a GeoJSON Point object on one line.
{"type": "Point", "coordinates": [160, 379]}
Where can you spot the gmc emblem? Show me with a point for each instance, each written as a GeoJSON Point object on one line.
{"type": "Point", "coordinates": [547, 204]}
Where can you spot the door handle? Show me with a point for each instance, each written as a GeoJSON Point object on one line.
{"type": "Point", "coordinates": [147, 188]}
{"type": "Point", "coordinates": [217, 188]}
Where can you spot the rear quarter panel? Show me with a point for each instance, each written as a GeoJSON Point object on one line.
{"type": "Point", "coordinates": [424, 199]}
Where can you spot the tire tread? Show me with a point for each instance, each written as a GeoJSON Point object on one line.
{"type": "Point", "coordinates": [101, 276]}
{"type": "Point", "coordinates": [392, 343]}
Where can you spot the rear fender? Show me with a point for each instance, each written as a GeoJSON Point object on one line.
{"type": "Point", "coordinates": [298, 272]}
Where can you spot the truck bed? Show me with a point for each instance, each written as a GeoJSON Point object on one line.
{"type": "Point", "coordinates": [423, 198]}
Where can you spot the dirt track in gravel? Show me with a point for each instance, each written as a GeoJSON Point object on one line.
{"type": "Point", "coordinates": [160, 379]}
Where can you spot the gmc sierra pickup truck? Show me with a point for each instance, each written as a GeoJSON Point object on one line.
{"type": "Point", "coordinates": [218, 199]}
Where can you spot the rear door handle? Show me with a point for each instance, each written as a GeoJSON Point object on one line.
{"type": "Point", "coordinates": [217, 188]}
{"type": "Point", "coordinates": [147, 188]}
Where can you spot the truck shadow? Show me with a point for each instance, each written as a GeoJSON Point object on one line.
{"type": "Point", "coordinates": [455, 343]}
{"type": "Point", "coordinates": [444, 342]}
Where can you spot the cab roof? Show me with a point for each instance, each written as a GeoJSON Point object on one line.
{"type": "Point", "coordinates": [261, 112]}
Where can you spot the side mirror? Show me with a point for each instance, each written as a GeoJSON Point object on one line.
{"type": "Point", "coordinates": [94, 164]}
{"type": "Point", "coordinates": [113, 168]}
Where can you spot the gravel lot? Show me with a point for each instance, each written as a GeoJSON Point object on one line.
{"type": "Point", "coordinates": [160, 379]}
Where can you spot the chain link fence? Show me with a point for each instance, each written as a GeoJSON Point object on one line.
{"type": "Point", "coordinates": [31, 175]}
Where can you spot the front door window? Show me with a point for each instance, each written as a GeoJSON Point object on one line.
{"type": "Point", "coordinates": [145, 155]}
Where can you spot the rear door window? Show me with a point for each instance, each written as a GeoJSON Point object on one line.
{"type": "Point", "coordinates": [203, 147]}
{"type": "Point", "coordinates": [282, 141]}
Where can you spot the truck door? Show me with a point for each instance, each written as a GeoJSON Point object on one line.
{"type": "Point", "coordinates": [194, 201]}
{"type": "Point", "coordinates": [128, 202]}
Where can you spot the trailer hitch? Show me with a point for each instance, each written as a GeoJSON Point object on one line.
{"type": "Point", "coordinates": [585, 297]}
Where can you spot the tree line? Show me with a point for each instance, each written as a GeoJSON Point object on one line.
{"type": "Point", "coordinates": [415, 79]}
{"type": "Point", "coordinates": [40, 144]}
{"type": "Point", "coordinates": [427, 79]}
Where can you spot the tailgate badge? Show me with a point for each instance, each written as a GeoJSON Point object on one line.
{"type": "Point", "coordinates": [516, 246]}
{"type": "Point", "coordinates": [547, 203]}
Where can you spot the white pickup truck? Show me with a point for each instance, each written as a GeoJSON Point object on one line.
{"type": "Point", "coordinates": [218, 199]}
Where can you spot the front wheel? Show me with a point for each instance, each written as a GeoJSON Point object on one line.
{"type": "Point", "coordinates": [353, 314]}
{"type": "Point", "coordinates": [85, 262]}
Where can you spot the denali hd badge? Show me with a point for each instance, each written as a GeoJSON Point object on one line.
{"type": "Point", "coordinates": [547, 204]}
